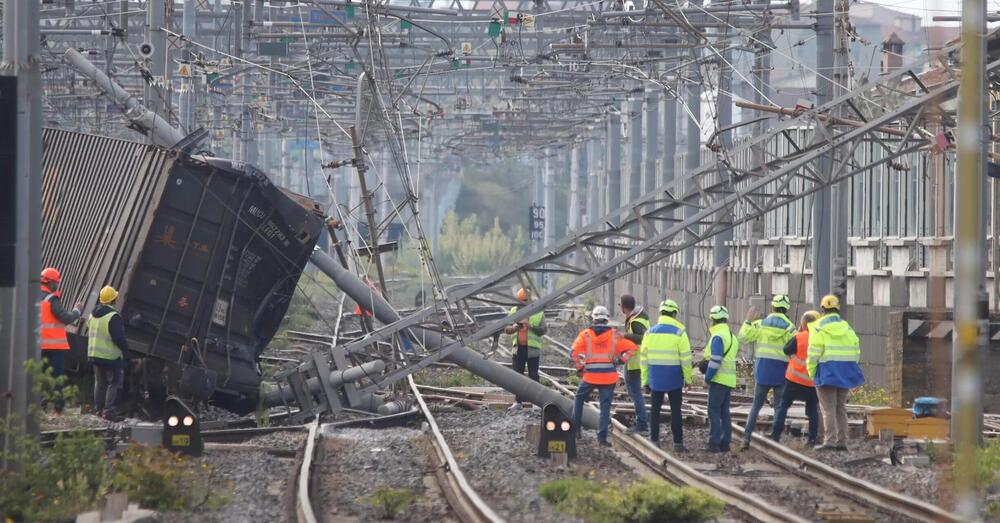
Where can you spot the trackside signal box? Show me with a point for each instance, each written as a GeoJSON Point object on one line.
{"type": "Point", "coordinates": [181, 429]}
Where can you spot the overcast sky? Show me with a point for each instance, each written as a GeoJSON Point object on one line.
{"type": "Point", "coordinates": [931, 8]}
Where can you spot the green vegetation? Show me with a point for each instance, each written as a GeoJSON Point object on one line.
{"type": "Point", "coordinates": [54, 483]}
{"type": "Point", "coordinates": [389, 502]}
{"type": "Point", "coordinates": [870, 395]}
{"type": "Point", "coordinates": [987, 464]}
{"type": "Point", "coordinates": [447, 378]}
{"type": "Point", "coordinates": [645, 501]}
{"type": "Point", "coordinates": [465, 248]}
{"type": "Point", "coordinates": [503, 189]}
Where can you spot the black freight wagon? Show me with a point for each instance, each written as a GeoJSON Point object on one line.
{"type": "Point", "coordinates": [205, 255]}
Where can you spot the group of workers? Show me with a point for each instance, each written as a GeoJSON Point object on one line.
{"type": "Point", "coordinates": [106, 342]}
{"type": "Point", "coordinates": [816, 362]}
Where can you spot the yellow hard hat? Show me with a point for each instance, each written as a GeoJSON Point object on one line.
{"type": "Point", "coordinates": [830, 301]}
{"type": "Point", "coordinates": [108, 294]}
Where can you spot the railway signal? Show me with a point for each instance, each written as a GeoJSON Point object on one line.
{"type": "Point", "coordinates": [181, 429]}
{"type": "Point", "coordinates": [557, 434]}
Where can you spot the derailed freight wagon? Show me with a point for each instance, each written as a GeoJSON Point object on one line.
{"type": "Point", "coordinates": [205, 257]}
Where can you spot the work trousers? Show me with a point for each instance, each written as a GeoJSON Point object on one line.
{"type": "Point", "coordinates": [676, 419]}
{"type": "Point", "coordinates": [109, 376]}
{"type": "Point", "coordinates": [520, 360]}
{"type": "Point", "coordinates": [759, 397]}
{"type": "Point", "coordinates": [56, 360]}
{"type": "Point", "coordinates": [605, 394]}
{"type": "Point", "coordinates": [797, 392]}
{"type": "Point", "coordinates": [833, 404]}
{"type": "Point", "coordinates": [633, 383]}
{"type": "Point", "coordinates": [720, 425]}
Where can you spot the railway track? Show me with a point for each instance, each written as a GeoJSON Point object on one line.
{"type": "Point", "coordinates": [856, 495]}
{"type": "Point", "coordinates": [465, 503]}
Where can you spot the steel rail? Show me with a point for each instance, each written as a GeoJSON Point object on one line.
{"type": "Point", "coordinates": [464, 500]}
{"type": "Point", "coordinates": [846, 485]}
{"type": "Point", "coordinates": [304, 512]}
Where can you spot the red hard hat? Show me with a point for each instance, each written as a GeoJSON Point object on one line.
{"type": "Point", "coordinates": [50, 274]}
{"type": "Point", "coordinates": [523, 294]}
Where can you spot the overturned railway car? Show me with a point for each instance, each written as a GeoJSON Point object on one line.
{"type": "Point", "coordinates": [205, 256]}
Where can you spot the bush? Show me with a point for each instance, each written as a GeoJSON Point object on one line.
{"type": "Point", "coordinates": [646, 501]}
{"type": "Point", "coordinates": [463, 248]}
{"type": "Point", "coordinates": [389, 502]}
{"type": "Point", "coordinates": [73, 474]}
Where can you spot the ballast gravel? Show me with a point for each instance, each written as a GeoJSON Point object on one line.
{"type": "Point", "coordinates": [492, 448]}
{"type": "Point", "coordinates": [355, 463]}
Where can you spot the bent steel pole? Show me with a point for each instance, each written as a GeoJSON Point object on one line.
{"type": "Point", "coordinates": [966, 383]}
{"type": "Point", "coordinates": [151, 124]}
{"type": "Point", "coordinates": [470, 360]}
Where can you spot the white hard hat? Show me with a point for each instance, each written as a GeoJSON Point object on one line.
{"type": "Point", "coordinates": [600, 313]}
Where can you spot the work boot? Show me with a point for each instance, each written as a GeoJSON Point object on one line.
{"type": "Point", "coordinates": [726, 448]}
{"type": "Point", "coordinates": [635, 429]}
{"type": "Point", "coordinates": [604, 443]}
{"type": "Point", "coordinates": [514, 406]}
{"type": "Point", "coordinates": [824, 447]}
{"type": "Point", "coordinates": [745, 446]}
{"type": "Point", "coordinates": [679, 448]}
{"type": "Point", "coordinates": [841, 447]}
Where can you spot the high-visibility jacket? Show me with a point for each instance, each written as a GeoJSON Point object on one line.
{"type": "Point", "coordinates": [665, 356]}
{"type": "Point", "coordinates": [771, 334]}
{"type": "Point", "coordinates": [723, 348]}
{"type": "Point", "coordinates": [595, 354]}
{"type": "Point", "coordinates": [53, 329]}
{"type": "Point", "coordinates": [636, 327]}
{"type": "Point", "coordinates": [834, 354]}
{"type": "Point", "coordinates": [99, 343]}
{"type": "Point", "coordinates": [797, 371]}
{"type": "Point", "coordinates": [526, 335]}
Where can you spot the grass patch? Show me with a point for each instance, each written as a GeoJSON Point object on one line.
{"type": "Point", "coordinates": [390, 502]}
{"type": "Point", "coordinates": [645, 501]}
{"type": "Point", "coordinates": [870, 395]}
{"type": "Point", "coordinates": [447, 378]}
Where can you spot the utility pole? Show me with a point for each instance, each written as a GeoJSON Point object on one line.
{"type": "Point", "coordinates": [573, 212]}
{"type": "Point", "coordinates": [614, 162]}
{"type": "Point", "coordinates": [692, 160]}
{"type": "Point", "coordinates": [823, 211]}
{"type": "Point", "coordinates": [761, 81]}
{"type": "Point", "coordinates": [156, 96]}
{"type": "Point", "coordinates": [724, 110]}
{"type": "Point", "coordinates": [635, 151]}
{"type": "Point", "coordinates": [970, 182]}
{"type": "Point", "coordinates": [366, 199]}
{"type": "Point", "coordinates": [20, 230]}
{"type": "Point", "coordinates": [652, 138]}
{"type": "Point", "coordinates": [187, 95]}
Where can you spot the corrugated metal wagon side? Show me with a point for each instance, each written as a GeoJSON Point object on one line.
{"type": "Point", "coordinates": [206, 257]}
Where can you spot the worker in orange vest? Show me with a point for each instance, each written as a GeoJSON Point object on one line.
{"type": "Point", "coordinates": [54, 319]}
{"type": "Point", "coordinates": [798, 384]}
{"type": "Point", "coordinates": [597, 351]}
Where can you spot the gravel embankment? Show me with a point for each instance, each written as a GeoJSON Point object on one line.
{"type": "Point", "coordinates": [354, 463]}
{"type": "Point", "coordinates": [254, 483]}
{"type": "Point", "coordinates": [496, 457]}
{"type": "Point", "coordinates": [868, 459]}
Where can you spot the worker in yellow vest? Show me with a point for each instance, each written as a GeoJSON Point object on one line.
{"type": "Point", "coordinates": [719, 368]}
{"type": "Point", "coordinates": [636, 325]}
{"type": "Point", "coordinates": [106, 350]}
{"type": "Point", "coordinates": [526, 340]}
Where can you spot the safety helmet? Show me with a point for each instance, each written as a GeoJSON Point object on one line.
{"type": "Point", "coordinates": [718, 312]}
{"type": "Point", "coordinates": [780, 301]}
{"type": "Point", "coordinates": [523, 294]}
{"type": "Point", "coordinates": [600, 313]}
{"type": "Point", "coordinates": [810, 316]}
{"type": "Point", "coordinates": [108, 294]}
{"type": "Point", "coordinates": [50, 274]}
{"type": "Point", "coordinates": [669, 306]}
{"type": "Point", "coordinates": [830, 301]}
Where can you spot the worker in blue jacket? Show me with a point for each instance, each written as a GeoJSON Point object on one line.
{"type": "Point", "coordinates": [771, 334]}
